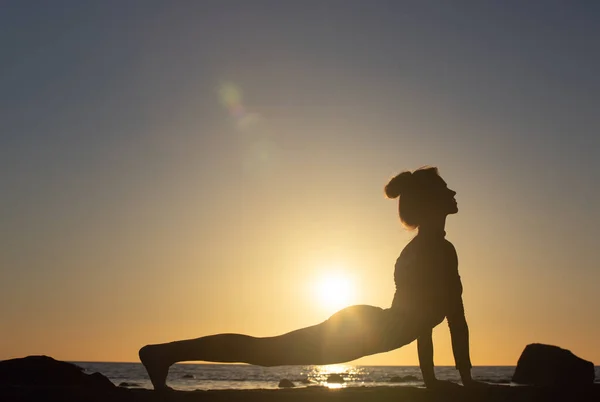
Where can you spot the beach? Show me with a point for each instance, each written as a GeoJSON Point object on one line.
{"type": "Point", "coordinates": [41, 378]}
{"type": "Point", "coordinates": [317, 394]}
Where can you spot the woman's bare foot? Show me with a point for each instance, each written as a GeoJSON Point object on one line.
{"type": "Point", "coordinates": [155, 366]}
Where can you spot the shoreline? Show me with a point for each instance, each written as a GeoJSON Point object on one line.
{"type": "Point", "coordinates": [455, 393]}
{"type": "Point", "coordinates": [44, 379]}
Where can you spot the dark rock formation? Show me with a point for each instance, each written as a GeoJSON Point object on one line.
{"type": "Point", "coordinates": [406, 378]}
{"type": "Point", "coordinates": [45, 371]}
{"type": "Point", "coordinates": [188, 377]}
{"type": "Point", "coordinates": [285, 383]}
{"type": "Point", "coordinates": [335, 379]}
{"type": "Point", "coordinates": [552, 366]}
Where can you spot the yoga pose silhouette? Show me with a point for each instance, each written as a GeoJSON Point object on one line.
{"type": "Point", "coordinates": [428, 289]}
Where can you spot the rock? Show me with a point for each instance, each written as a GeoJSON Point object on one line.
{"type": "Point", "coordinates": [129, 384]}
{"type": "Point", "coordinates": [45, 371]}
{"type": "Point", "coordinates": [285, 383]}
{"type": "Point", "coordinates": [335, 379]}
{"type": "Point", "coordinates": [541, 364]}
{"type": "Point", "coordinates": [187, 376]}
{"type": "Point", "coordinates": [406, 378]}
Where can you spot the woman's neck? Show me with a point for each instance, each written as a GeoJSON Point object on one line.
{"type": "Point", "coordinates": [433, 227]}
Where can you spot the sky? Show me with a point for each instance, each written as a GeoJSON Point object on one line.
{"type": "Point", "coordinates": [177, 169]}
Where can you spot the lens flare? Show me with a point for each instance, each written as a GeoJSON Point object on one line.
{"type": "Point", "coordinates": [261, 153]}
{"type": "Point", "coordinates": [232, 97]}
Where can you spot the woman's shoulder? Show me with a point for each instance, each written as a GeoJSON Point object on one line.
{"type": "Point", "coordinates": [451, 252]}
{"type": "Point", "coordinates": [449, 244]}
{"type": "Point", "coordinates": [425, 245]}
{"type": "Point", "coordinates": [434, 248]}
{"type": "Point", "coordinates": [406, 252]}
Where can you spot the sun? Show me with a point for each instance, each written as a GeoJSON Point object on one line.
{"type": "Point", "coordinates": [334, 291]}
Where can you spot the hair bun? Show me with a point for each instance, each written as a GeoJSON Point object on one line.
{"type": "Point", "coordinates": [398, 185]}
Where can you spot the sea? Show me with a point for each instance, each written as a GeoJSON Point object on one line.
{"type": "Point", "coordinates": [188, 377]}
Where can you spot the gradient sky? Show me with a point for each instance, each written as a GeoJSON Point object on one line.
{"type": "Point", "coordinates": [176, 169]}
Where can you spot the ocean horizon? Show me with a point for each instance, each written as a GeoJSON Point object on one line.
{"type": "Point", "coordinates": [200, 376]}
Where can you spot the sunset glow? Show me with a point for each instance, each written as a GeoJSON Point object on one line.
{"type": "Point", "coordinates": [335, 291]}
{"type": "Point", "coordinates": [172, 170]}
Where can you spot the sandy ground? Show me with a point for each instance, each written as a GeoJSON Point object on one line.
{"type": "Point", "coordinates": [313, 394]}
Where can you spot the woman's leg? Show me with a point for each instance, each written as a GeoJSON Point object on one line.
{"type": "Point", "coordinates": [347, 335]}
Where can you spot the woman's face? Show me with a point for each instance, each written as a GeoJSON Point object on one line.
{"type": "Point", "coordinates": [445, 201]}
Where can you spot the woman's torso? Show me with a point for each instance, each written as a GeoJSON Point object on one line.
{"type": "Point", "coordinates": [426, 277]}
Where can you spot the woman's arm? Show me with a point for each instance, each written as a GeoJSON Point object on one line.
{"type": "Point", "coordinates": [425, 350]}
{"type": "Point", "coordinates": [459, 333]}
{"type": "Point", "coordinates": [459, 330]}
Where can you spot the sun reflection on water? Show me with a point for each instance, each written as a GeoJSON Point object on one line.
{"type": "Point", "coordinates": [334, 376]}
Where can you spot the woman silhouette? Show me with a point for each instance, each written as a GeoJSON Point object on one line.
{"type": "Point", "coordinates": [428, 289]}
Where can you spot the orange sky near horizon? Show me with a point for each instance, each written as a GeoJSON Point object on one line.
{"type": "Point", "coordinates": [170, 173]}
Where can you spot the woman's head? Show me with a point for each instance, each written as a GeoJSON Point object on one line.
{"type": "Point", "coordinates": [423, 195]}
